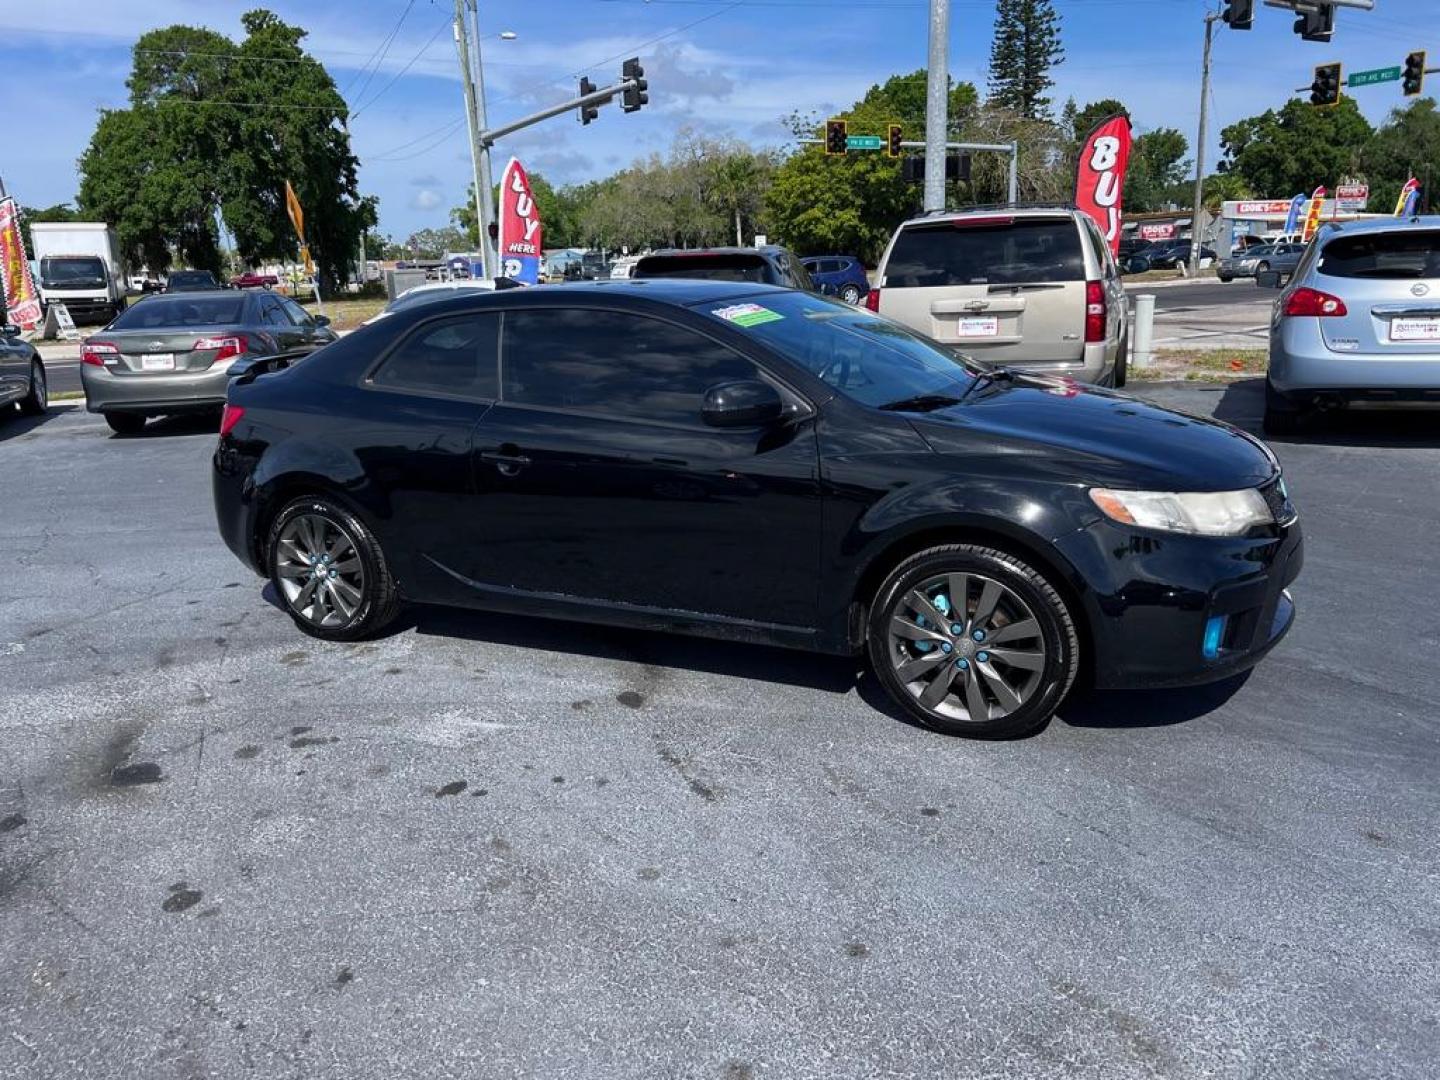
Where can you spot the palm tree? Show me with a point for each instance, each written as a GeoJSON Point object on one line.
{"type": "Point", "coordinates": [735, 189]}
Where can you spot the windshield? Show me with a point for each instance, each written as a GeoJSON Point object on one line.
{"type": "Point", "coordinates": [872, 360]}
{"type": "Point", "coordinates": [749, 268]}
{"type": "Point", "coordinates": [192, 310]}
{"type": "Point", "coordinates": [83, 270]}
{"type": "Point", "coordinates": [1407, 253]}
{"type": "Point", "coordinates": [191, 277]}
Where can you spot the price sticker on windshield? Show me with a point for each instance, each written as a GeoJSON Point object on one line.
{"type": "Point", "coordinates": [747, 314]}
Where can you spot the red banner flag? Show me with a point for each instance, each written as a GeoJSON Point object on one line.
{"type": "Point", "coordinates": [1312, 216]}
{"type": "Point", "coordinates": [22, 305]}
{"type": "Point", "coordinates": [520, 236]}
{"type": "Point", "coordinates": [1100, 176]}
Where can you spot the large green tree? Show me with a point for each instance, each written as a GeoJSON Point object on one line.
{"type": "Point", "coordinates": [1279, 153]}
{"type": "Point", "coordinates": [1406, 145]}
{"type": "Point", "coordinates": [213, 131]}
{"type": "Point", "coordinates": [1025, 49]}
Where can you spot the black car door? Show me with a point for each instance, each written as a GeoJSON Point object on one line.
{"type": "Point", "coordinates": [597, 479]}
{"type": "Point", "coordinates": [309, 333]}
{"type": "Point", "coordinates": [276, 323]}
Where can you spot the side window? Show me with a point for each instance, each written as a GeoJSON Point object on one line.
{"type": "Point", "coordinates": [270, 313]}
{"type": "Point", "coordinates": [613, 362]}
{"type": "Point", "coordinates": [453, 356]}
{"type": "Point", "coordinates": [293, 311]}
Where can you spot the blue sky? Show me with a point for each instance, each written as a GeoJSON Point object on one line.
{"type": "Point", "coordinates": [721, 65]}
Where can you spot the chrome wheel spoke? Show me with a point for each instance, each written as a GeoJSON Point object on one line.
{"type": "Point", "coordinates": [1019, 658]}
{"type": "Point", "coordinates": [306, 594]}
{"type": "Point", "coordinates": [904, 628]}
{"type": "Point", "coordinates": [975, 703]}
{"type": "Point", "coordinates": [921, 604]}
{"type": "Point", "coordinates": [1009, 700]}
{"type": "Point", "coordinates": [939, 687]}
{"type": "Point", "coordinates": [1016, 631]}
{"type": "Point", "coordinates": [957, 587]}
{"type": "Point", "coordinates": [292, 570]}
{"type": "Point", "coordinates": [319, 569]}
{"type": "Point", "coordinates": [347, 592]}
{"type": "Point", "coordinates": [337, 599]}
{"type": "Point", "coordinates": [985, 609]}
{"type": "Point", "coordinates": [911, 670]}
{"type": "Point", "coordinates": [347, 566]}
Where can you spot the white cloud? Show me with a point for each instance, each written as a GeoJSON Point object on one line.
{"type": "Point", "coordinates": [426, 200]}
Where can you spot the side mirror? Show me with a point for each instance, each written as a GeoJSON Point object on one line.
{"type": "Point", "coordinates": [321, 320]}
{"type": "Point", "coordinates": [1268, 279]}
{"type": "Point", "coordinates": [742, 404]}
{"type": "Point", "coordinates": [9, 329]}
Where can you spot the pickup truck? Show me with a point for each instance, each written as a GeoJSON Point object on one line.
{"type": "Point", "coordinates": [251, 280]}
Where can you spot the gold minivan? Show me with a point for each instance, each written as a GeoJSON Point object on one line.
{"type": "Point", "coordinates": [1029, 287]}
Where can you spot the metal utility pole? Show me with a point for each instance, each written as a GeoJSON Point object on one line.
{"type": "Point", "coordinates": [487, 199]}
{"type": "Point", "coordinates": [476, 146]}
{"type": "Point", "coordinates": [937, 104]}
{"type": "Point", "coordinates": [1196, 228]}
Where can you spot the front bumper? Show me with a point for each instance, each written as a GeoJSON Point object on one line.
{"type": "Point", "coordinates": [1150, 597]}
{"type": "Point", "coordinates": [154, 392]}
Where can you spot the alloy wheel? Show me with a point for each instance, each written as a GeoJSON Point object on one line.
{"type": "Point", "coordinates": [319, 570]}
{"type": "Point", "coordinates": [966, 647]}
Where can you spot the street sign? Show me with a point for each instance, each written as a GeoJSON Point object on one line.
{"type": "Point", "coordinates": [1352, 196]}
{"type": "Point", "coordinates": [874, 142]}
{"type": "Point", "coordinates": [1373, 77]}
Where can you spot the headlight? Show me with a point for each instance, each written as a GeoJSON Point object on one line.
{"type": "Point", "coordinates": [1201, 513]}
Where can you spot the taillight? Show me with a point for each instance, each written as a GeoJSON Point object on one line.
{"type": "Point", "coordinates": [1094, 312]}
{"type": "Point", "coordinates": [99, 353]}
{"type": "Point", "coordinates": [872, 300]}
{"type": "Point", "coordinates": [226, 348]}
{"type": "Point", "coordinates": [229, 417]}
{"type": "Point", "coordinates": [1308, 301]}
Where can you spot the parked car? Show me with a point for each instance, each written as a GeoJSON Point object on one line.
{"type": "Point", "coordinates": [650, 454]}
{"type": "Point", "coordinates": [769, 265]}
{"type": "Point", "coordinates": [1260, 257]}
{"type": "Point", "coordinates": [22, 374]}
{"type": "Point", "coordinates": [839, 275]}
{"type": "Point", "coordinates": [1358, 323]}
{"type": "Point", "coordinates": [622, 267]}
{"type": "Point", "coordinates": [252, 279]}
{"type": "Point", "coordinates": [1172, 255]}
{"type": "Point", "coordinates": [1035, 287]}
{"type": "Point", "coordinates": [172, 353]}
{"type": "Point", "coordinates": [190, 281]}
{"type": "Point", "coordinates": [1282, 257]}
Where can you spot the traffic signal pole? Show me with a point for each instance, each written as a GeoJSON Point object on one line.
{"type": "Point", "coordinates": [477, 148]}
{"type": "Point", "coordinates": [487, 199]}
{"type": "Point", "coordinates": [937, 105]}
{"type": "Point", "coordinates": [1197, 240]}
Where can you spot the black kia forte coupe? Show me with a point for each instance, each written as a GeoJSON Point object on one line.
{"type": "Point", "coordinates": [761, 464]}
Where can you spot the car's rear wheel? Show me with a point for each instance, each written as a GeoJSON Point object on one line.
{"type": "Point", "coordinates": [329, 570]}
{"type": "Point", "coordinates": [38, 400]}
{"type": "Point", "coordinates": [1260, 268]}
{"type": "Point", "coordinates": [1122, 362]}
{"type": "Point", "coordinates": [1225, 279]}
{"type": "Point", "coordinates": [850, 294]}
{"type": "Point", "coordinates": [1281, 415]}
{"type": "Point", "coordinates": [973, 641]}
{"type": "Point", "coordinates": [125, 423]}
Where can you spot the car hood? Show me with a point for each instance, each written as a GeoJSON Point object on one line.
{"type": "Point", "coordinates": [1099, 437]}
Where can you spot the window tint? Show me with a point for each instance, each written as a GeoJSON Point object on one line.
{"type": "Point", "coordinates": [454, 356]}
{"type": "Point", "coordinates": [711, 267]}
{"type": "Point", "coordinates": [1404, 254]}
{"type": "Point", "coordinates": [613, 362]}
{"type": "Point", "coordinates": [293, 311]}
{"type": "Point", "coordinates": [271, 315]}
{"type": "Point", "coordinates": [184, 309]}
{"type": "Point", "coordinates": [1023, 250]}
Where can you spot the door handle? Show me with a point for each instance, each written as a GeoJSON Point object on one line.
{"type": "Point", "coordinates": [508, 464]}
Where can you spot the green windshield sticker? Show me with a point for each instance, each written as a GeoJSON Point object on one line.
{"type": "Point", "coordinates": [747, 314]}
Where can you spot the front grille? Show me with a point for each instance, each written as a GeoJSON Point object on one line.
{"type": "Point", "coordinates": [1278, 500]}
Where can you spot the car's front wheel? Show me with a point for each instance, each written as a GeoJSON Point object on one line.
{"type": "Point", "coordinates": [329, 570]}
{"type": "Point", "coordinates": [850, 294]}
{"type": "Point", "coordinates": [38, 400]}
{"type": "Point", "coordinates": [973, 641]}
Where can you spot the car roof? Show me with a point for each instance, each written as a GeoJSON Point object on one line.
{"type": "Point", "coordinates": [768, 249]}
{"type": "Point", "coordinates": [940, 217]}
{"type": "Point", "coordinates": [681, 292]}
{"type": "Point", "coordinates": [1385, 224]}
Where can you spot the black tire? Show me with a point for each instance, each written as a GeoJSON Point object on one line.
{"type": "Point", "coordinates": [1281, 416]}
{"type": "Point", "coordinates": [1261, 268]}
{"type": "Point", "coordinates": [125, 423]}
{"type": "Point", "coordinates": [1225, 279]}
{"type": "Point", "coordinates": [1122, 363]}
{"type": "Point", "coordinates": [1057, 633]}
{"type": "Point", "coordinates": [379, 597]}
{"type": "Point", "coordinates": [38, 400]}
{"type": "Point", "coordinates": [850, 294]}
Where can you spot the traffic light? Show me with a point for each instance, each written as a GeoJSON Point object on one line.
{"type": "Point", "coordinates": [835, 135]}
{"type": "Point", "coordinates": [957, 167]}
{"type": "Point", "coordinates": [588, 112]}
{"type": "Point", "coordinates": [1412, 80]}
{"type": "Point", "coordinates": [1239, 14]}
{"type": "Point", "coordinates": [1325, 90]}
{"type": "Point", "coordinates": [635, 94]}
{"type": "Point", "coordinates": [892, 141]}
{"type": "Point", "coordinates": [912, 168]}
{"type": "Point", "coordinates": [1316, 25]}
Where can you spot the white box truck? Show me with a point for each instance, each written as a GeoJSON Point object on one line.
{"type": "Point", "coordinates": [80, 267]}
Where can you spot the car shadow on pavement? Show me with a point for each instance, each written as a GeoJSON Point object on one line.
{"type": "Point", "coordinates": [13, 423]}
{"type": "Point", "coordinates": [1243, 404]}
{"type": "Point", "coordinates": [1091, 708]}
{"type": "Point", "coordinates": [161, 427]}
{"type": "Point", "coordinates": [836, 675]}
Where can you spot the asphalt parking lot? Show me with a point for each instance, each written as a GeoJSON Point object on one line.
{"type": "Point", "coordinates": [495, 847]}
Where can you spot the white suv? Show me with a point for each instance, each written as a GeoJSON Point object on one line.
{"type": "Point", "coordinates": [1033, 287]}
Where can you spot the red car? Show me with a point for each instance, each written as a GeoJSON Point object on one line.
{"type": "Point", "coordinates": [252, 280]}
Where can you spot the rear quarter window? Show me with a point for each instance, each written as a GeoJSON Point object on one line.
{"type": "Point", "coordinates": [1403, 254]}
{"type": "Point", "coordinates": [1020, 251]}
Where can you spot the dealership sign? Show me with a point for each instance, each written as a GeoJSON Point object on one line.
{"type": "Point", "coordinates": [1352, 196]}
{"type": "Point", "coordinates": [1262, 207]}
{"type": "Point", "coordinates": [22, 305]}
{"type": "Point", "coordinates": [1100, 176]}
{"type": "Point", "coordinates": [520, 232]}
{"type": "Point", "coordinates": [1158, 232]}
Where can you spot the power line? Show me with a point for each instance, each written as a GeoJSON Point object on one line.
{"type": "Point", "coordinates": [382, 50]}
{"type": "Point", "coordinates": [444, 132]}
{"type": "Point", "coordinates": [409, 64]}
